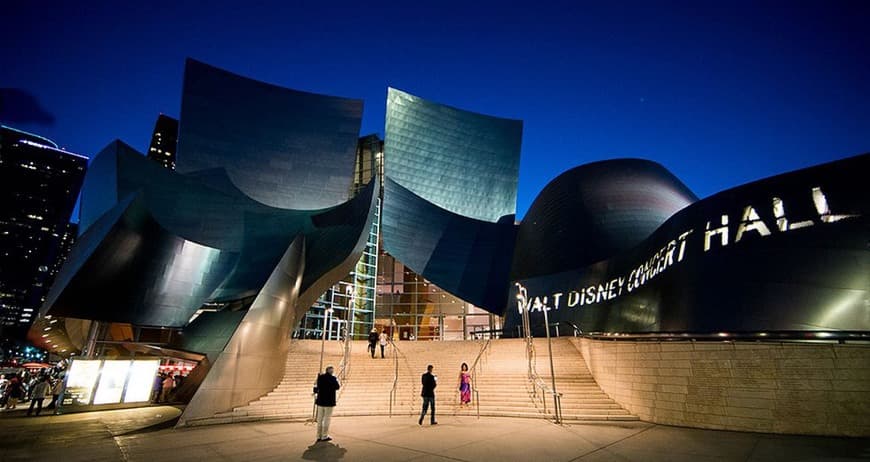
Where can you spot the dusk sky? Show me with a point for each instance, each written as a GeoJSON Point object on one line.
{"type": "Point", "coordinates": [720, 93]}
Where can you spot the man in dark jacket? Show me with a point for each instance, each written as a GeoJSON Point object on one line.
{"type": "Point", "coordinates": [326, 387]}
{"type": "Point", "coordinates": [373, 340]}
{"type": "Point", "coordinates": [428, 394]}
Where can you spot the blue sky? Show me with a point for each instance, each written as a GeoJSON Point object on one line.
{"type": "Point", "coordinates": [720, 93]}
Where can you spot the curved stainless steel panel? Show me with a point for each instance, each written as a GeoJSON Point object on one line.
{"type": "Point", "coordinates": [466, 257]}
{"type": "Point", "coordinates": [463, 162]}
{"type": "Point", "coordinates": [284, 148]}
{"type": "Point", "coordinates": [595, 211]}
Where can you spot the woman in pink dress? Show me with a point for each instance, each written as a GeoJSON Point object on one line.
{"type": "Point", "coordinates": [464, 386]}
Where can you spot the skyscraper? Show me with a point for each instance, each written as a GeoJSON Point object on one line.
{"type": "Point", "coordinates": [39, 184]}
{"type": "Point", "coordinates": [164, 141]}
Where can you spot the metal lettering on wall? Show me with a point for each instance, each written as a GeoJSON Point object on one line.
{"type": "Point", "coordinates": [673, 253]}
{"type": "Point", "coordinates": [786, 253]}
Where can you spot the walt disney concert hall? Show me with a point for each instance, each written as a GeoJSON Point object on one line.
{"type": "Point", "coordinates": [261, 218]}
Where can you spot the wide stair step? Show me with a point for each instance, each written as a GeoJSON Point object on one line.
{"type": "Point", "coordinates": [502, 382]}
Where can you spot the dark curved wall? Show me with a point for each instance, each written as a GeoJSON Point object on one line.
{"type": "Point", "coordinates": [284, 148]}
{"type": "Point", "coordinates": [463, 162]}
{"type": "Point", "coordinates": [593, 212]}
{"type": "Point", "coordinates": [466, 257]}
{"type": "Point", "coordinates": [128, 268]}
{"type": "Point", "coordinates": [796, 266]}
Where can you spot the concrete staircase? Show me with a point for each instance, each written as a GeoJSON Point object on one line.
{"type": "Point", "coordinates": [501, 380]}
{"type": "Point", "coordinates": [293, 397]}
{"type": "Point", "coordinates": [582, 398]}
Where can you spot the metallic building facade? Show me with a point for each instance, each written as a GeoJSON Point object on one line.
{"type": "Point", "coordinates": [170, 244]}
{"type": "Point", "coordinates": [349, 305]}
{"type": "Point", "coordinates": [466, 257]}
{"type": "Point", "coordinates": [221, 251]}
{"type": "Point", "coordinates": [450, 181]}
{"type": "Point", "coordinates": [268, 211]}
{"type": "Point", "coordinates": [463, 162]}
{"type": "Point", "coordinates": [787, 253]}
{"type": "Point", "coordinates": [594, 212]}
{"type": "Point", "coordinates": [283, 148]}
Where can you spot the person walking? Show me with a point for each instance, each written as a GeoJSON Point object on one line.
{"type": "Point", "coordinates": [327, 385]}
{"type": "Point", "coordinates": [382, 340]}
{"type": "Point", "coordinates": [157, 387]}
{"type": "Point", "coordinates": [168, 384]}
{"type": "Point", "coordinates": [37, 395]}
{"type": "Point", "coordinates": [14, 392]}
{"type": "Point", "coordinates": [56, 389]}
{"type": "Point", "coordinates": [428, 393]}
{"type": "Point", "coordinates": [373, 340]}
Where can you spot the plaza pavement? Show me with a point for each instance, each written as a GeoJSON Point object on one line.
{"type": "Point", "coordinates": [145, 434]}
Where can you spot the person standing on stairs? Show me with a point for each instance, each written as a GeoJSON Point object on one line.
{"type": "Point", "coordinates": [428, 393]}
{"type": "Point", "coordinates": [464, 385]}
{"type": "Point", "coordinates": [373, 340]}
{"type": "Point", "coordinates": [382, 340]}
{"type": "Point", "coordinates": [327, 385]}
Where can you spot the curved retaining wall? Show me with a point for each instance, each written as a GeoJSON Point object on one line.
{"type": "Point", "coordinates": [810, 389]}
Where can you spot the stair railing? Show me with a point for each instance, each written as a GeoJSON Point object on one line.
{"type": "Point", "coordinates": [475, 368]}
{"type": "Point", "coordinates": [344, 365]}
{"type": "Point", "coordinates": [395, 375]}
{"type": "Point", "coordinates": [535, 380]}
{"type": "Point", "coordinates": [343, 368]}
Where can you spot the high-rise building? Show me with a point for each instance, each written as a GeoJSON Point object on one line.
{"type": "Point", "coordinates": [164, 141]}
{"type": "Point", "coordinates": [39, 184]}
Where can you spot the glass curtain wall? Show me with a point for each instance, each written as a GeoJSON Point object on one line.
{"type": "Point", "coordinates": [350, 304]}
{"type": "Point", "coordinates": [382, 293]}
{"type": "Point", "coordinates": [409, 307]}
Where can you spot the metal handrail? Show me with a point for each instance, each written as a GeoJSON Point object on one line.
{"type": "Point", "coordinates": [395, 375]}
{"type": "Point", "coordinates": [778, 336]}
{"type": "Point", "coordinates": [474, 371]}
{"type": "Point", "coordinates": [344, 365]}
{"type": "Point", "coordinates": [534, 379]}
{"type": "Point", "coordinates": [538, 383]}
{"type": "Point", "coordinates": [343, 368]}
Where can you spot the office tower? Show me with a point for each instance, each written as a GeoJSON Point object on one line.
{"type": "Point", "coordinates": [164, 141]}
{"type": "Point", "coordinates": [39, 184]}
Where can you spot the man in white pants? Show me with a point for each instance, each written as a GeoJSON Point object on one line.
{"type": "Point", "coordinates": [326, 387]}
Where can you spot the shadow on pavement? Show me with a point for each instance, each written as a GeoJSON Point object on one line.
{"type": "Point", "coordinates": [324, 451]}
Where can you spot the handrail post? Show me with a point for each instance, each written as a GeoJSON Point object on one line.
{"type": "Point", "coordinates": [550, 349]}
{"type": "Point", "coordinates": [544, 399]}
{"type": "Point", "coordinates": [395, 374]}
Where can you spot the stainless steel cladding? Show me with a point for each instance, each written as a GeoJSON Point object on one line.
{"type": "Point", "coordinates": [284, 148]}
{"type": "Point", "coordinates": [787, 253]}
{"type": "Point", "coordinates": [450, 196]}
